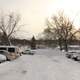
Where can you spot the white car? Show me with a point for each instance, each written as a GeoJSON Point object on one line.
{"type": "Point", "coordinates": [2, 58]}
{"type": "Point", "coordinates": [28, 51]}
{"type": "Point", "coordinates": [5, 54]}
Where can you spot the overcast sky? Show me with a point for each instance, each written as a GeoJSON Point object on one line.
{"type": "Point", "coordinates": [34, 12]}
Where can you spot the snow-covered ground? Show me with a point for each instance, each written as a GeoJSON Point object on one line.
{"type": "Point", "coordinates": [46, 64]}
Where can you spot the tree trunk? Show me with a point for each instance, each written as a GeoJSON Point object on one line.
{"type": "Point", "coordinates": [60, 43]}
{"type": "Point", "coordinates": [5, 39]}
{"type": "Point", "coordinates": [66, 45]}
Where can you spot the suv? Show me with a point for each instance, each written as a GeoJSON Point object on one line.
{"type": "Point", "coordinates": [11, 52]}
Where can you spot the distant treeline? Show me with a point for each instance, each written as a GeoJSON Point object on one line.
{"type": "Point", "coordinates": [20, 42]}
{"type": "Point", "coordinates": [43, 42]}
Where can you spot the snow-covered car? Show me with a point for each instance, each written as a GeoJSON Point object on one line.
{"type": "Point", "coordinates": [7, 54]}
{"type": "Point", "coordinates": [4, 52]}
{"type": "Point", "coordinates": [76, 56]}
{"type": "Point", "coordinates": [69, 55]}
{"type": "Point", "coordinates": [28, 51]}
{"type": "Point", "coordinates": [73, 55]}
{"type": "Point", "coordinates": [3, 56]}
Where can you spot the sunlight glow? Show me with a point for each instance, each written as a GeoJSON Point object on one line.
{"type": "Point", "coordinates": [35, 12]}
{"type": "Point", "coordinates": [71, 8]}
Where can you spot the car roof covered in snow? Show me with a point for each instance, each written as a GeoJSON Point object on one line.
{"type": "Point", "coordinates": [9, 46]}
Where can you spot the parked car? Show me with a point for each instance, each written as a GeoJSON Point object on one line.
{"type": "Point", "coordinates": [76, 56]}
{"type": "Point", "coordinates": [28, 51]}
{"type": "Point", "coordinates": [2, 58]}
{"type": "Point", "coordinates": [73, 55]}
{"type": "Point", "coordinates": [69, 55]}
{"type": "Point", "coordinates": [7, 54]}
{"type": "Point", "coordinates": [3, 55]}
{"type": "Point", "coordinates": [11, 51]}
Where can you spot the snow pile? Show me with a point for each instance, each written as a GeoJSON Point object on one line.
{"type": "Point", "coordinates": [46, 64]}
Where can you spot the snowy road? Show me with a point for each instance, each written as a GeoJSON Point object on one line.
{"type": "Point", "coordinates": [46, 64]}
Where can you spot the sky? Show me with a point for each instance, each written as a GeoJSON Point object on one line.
{"type": "Point", "coordinates": [34, 13]}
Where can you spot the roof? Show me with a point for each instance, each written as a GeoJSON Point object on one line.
{"type": "Point", "coordinates": [9, 46]}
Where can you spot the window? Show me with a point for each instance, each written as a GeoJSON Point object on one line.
{"type": "Point", "coordinates": [11, 49]}
{"type": "Point", "coordinates": [3, 48]}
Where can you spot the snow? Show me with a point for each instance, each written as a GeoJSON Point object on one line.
{"type": "Point", "coordinates": [46, 64]}
{"type": "Point", "coordinates": [74, 46]}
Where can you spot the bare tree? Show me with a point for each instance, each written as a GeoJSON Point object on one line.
{"type": "Point", "coordinates": [8, 25]}
{"type": "Point", "coordinates": [62, 28]}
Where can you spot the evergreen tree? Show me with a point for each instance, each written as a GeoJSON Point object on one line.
{"type": "Point", "coordinates": [33, 43]}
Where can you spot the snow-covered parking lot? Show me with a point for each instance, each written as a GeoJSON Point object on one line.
{"type": "Point", "coordinates": [46, 64]}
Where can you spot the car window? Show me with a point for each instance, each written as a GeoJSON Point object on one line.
{"type": "Point", "coordinates": [27, 50]}
{"type": "Point", "coordinates": [3, 48]}
{"type": "Point", "coordinates": [11, 49]}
